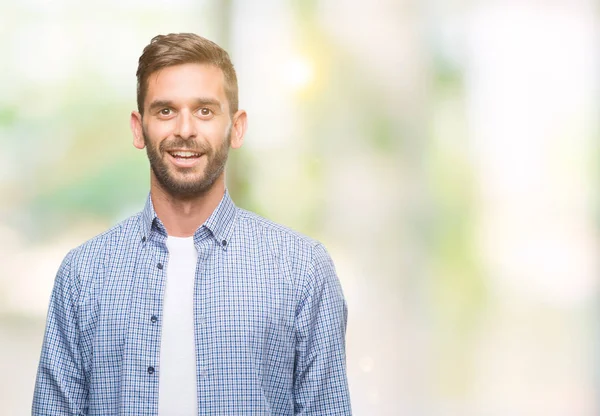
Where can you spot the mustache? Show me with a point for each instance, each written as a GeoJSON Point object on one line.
{"type": "Point", "coordinates": [181, 144]}
{"type": "Point", "coordinates": [178, 143]}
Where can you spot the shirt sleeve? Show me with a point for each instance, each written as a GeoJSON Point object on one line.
{"type": "Point", "coordinates": [60, 388]}
{"type": "Point", "coordinates": [320, 381]}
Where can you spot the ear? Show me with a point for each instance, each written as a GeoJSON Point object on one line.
{"type": "Point", "coordinates": [136, 128]}
{"type": "Point", "coordinates": [238, 129]}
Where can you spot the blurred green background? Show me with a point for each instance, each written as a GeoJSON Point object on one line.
{"type": "Point", "coordinates": [445, 152]}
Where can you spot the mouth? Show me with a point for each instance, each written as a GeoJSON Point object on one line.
{"type": "Point", "coordinates": [184, 159]}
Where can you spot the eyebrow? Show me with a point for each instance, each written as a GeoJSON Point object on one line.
{"type": "Point", "coordinates": [197, 102]}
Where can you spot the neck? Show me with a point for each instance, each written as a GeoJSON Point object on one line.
{"type": "Point", "coordinates": [183, 216]}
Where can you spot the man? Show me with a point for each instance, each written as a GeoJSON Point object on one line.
{"type": "Point", "coordinates": [193, 306]}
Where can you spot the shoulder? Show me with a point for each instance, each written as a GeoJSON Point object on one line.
{"type": "Point", "coordinates": [285, 243]}
{"type": "Point", "coordinates": [266, 231]}
{"type": "Point", "coordinates": [82, 263]}
{"type": "Point", "coordinates": [99, 247]}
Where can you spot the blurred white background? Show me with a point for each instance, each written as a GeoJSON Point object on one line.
{"type": "Point", "coordinates": [446, 153]}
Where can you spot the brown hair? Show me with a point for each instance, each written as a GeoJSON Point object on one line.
{"type": "Point", "coordinates": [183, 48]}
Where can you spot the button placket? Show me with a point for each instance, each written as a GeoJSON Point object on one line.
{"type": "Point", "coordinates": [154, 282]}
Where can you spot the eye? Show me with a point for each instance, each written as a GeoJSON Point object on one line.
{"type": "Point", "coordinates": [205, 111]}
{"type": "Point", "coordinates": [165, 112]}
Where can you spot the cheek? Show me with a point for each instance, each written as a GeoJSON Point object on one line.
{"type": "Point", "coordinates": [209, 135]}
{"type": "Point", "coordinates": [157, 133]}
{"type": "Point", "coordinates": [216, 132]}
{"type": "Point", "coordinates": [161, 130]}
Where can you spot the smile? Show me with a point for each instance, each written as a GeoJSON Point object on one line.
{"type": "Point", "coordinates": [184, 154]}
{"type": "Point", "coordinates": [184, 159]}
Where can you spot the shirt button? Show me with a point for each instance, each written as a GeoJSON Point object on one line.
{"type": "Point", "coordinates": [160, 266]}
{"type": "Point", "coordinates": [143, 239]}
{"type": "Point", "coordinates": [224, 243]}
{"type": "Point", "coordinates": [150, 370]}
{"type": "Point", "coordinates": [154, 319]}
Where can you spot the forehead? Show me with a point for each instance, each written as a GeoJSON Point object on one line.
{"type": "Point", "coordinates": [186, 81]}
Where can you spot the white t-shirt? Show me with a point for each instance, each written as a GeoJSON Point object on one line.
{"type": "Point", "coordinates": [177, 382]}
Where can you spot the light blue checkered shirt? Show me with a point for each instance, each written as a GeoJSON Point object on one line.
{"type": "Point", "coordinates": [269, 318]}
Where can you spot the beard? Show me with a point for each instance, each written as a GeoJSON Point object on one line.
{"type": "Point", "coordinates": [187, 183]}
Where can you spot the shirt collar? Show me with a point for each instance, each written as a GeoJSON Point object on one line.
{"type": "Point", "coordinates": [220, 224]}
{"type": "Point", "coordinates": [148, 217]}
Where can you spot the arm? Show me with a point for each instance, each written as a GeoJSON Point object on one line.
{"type": "Point", "coordinates": [60, 388]}
{"type": "Point", "coordinates": [320, 383]}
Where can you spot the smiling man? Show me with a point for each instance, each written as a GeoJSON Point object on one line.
{"type": "Point", "coordinates": [193, 306]}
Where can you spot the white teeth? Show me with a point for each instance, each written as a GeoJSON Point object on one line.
{"type": "Point", "coordinates": [185, 154]}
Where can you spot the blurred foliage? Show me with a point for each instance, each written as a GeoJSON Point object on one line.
{"type": "Point", "coordinates": [8, 115]}
{"type": "Point", "coordinates": [378, 162]}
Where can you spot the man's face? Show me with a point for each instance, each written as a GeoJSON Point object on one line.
{"type": "Point", "coordinates": [186, 128]}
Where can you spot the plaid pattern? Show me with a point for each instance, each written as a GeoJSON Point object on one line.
{"type": "Point", "coordinates": [269, 317]}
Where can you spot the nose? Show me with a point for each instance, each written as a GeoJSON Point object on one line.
{"type": "Point", "coordinates": [185, 128]}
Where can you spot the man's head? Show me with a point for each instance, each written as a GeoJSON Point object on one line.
{"type": "Point", "coordinates": [184, 48]}
{"type": "Point", "coordinates": [188, 116]}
